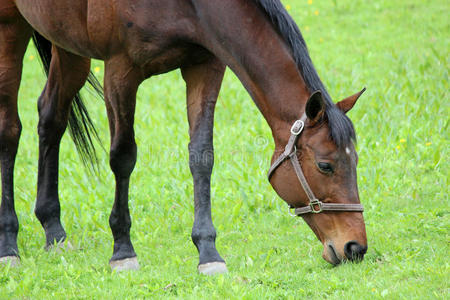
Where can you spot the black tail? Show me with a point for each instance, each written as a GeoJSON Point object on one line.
{"type": "Point", "coordinates": [81, 127]}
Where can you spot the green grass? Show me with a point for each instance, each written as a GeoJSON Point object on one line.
{"type": "Point", "coordinates": [398, 49]}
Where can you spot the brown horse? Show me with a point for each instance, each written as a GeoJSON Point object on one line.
{"type": "Point", "coordinates": [256, 39]}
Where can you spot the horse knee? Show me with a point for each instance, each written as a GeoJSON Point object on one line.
{"type": "Point", "coordinates": [123, 158]}
{"type": "Point", "coordinates": [10, 131]}
{"type": "Point", "coordinates": [201, 160]}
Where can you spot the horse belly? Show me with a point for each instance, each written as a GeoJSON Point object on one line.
{"type": "Point", "coordinates": [63, 22]}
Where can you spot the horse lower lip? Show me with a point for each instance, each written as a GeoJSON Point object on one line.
{"type": "Point", "coordinates": [333, 255]}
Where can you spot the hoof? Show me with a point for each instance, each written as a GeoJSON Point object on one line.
{"type": "Point", "coordinates": [124, 264]}
{"type": "Point", "coordinates": [14, 261]}
{"type": "Point", "coordinates": [213, 268]}
{"type": "Point", "coordinates": [59, 247]}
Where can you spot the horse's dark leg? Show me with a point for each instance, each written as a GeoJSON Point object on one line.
{"type": "Point", "coordinates": [121, 83]}
{"type": "Point", "coordinates": [14, 37]}
{"type": "Point", "coordinates": [67, 75]}
{"type": "Point", "coordinates": [203, 84]}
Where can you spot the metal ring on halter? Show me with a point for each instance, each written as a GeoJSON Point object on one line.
{"type": "Point", "coordinates": [289, 153]}
{"type": "Point", "coordinates": [289, 211]}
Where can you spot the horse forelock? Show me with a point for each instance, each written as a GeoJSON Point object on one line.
{"type": "Point", "coordinates": [341, 127]}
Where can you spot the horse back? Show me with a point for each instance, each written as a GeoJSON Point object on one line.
{"type": "Point", "coordinates": [157, 34]}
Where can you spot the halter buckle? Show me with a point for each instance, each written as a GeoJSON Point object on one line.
{"type": "Point", "coordinates": [313, 205]}
{"type": "Point", "coordinates": [297, 128]}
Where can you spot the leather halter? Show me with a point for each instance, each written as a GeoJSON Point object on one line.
{"type": "Point", "coordinates": [315, 205]}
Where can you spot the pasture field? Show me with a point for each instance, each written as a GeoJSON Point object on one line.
{"type": "Point", "coordinates": [399, 50]}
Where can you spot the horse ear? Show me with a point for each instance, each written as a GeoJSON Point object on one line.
{"type": "Point", "coordinates": [315, 107]}
{"type": "Point", "coordinates": [347, 104]}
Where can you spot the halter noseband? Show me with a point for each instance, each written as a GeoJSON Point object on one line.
{"type": "Point", "coordinates": [315, 205]}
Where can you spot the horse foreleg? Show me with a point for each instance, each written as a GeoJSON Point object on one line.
{"type": "Point", "coordinates": [67, 75]}
{"type": "Point", "coordinates": [14, 37]}
{"type": "Point", "coordinates": [203, 85]}
{"type": "Point", "coordinates": [121, 83]}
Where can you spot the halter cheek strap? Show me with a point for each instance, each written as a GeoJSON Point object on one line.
{"type": "Point", "coordinates": [315, 205]}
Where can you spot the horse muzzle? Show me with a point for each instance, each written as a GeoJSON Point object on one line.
{"type": "Point", "coordinates": [352, 251]}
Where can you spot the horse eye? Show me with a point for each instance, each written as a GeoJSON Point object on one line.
{"type": "Point", "coordinates": [325, 167]}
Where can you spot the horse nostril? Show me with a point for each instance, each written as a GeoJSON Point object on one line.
{"type": "Point", "coordinates": [354, 251]}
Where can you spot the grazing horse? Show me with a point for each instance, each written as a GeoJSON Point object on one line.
{"type": "Point", "coordinates": [314, 162]}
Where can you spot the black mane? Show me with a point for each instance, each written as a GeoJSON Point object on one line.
{"type": "Point", "coordinates": [341, 127]}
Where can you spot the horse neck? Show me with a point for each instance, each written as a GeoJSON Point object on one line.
{"type": "Point", "coordinates": [248, 43]}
